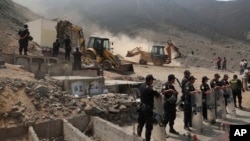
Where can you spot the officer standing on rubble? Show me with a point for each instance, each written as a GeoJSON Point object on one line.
{"type": "Point", "coordinates": [67, 43]}
{"type": "Point", "coordinates": [146, 107]}
{"type": "Point", "coordinates": [170, 98]}
{"type": "Point", "coordinates": [188, 91]}
{"type": "Point", "coordinates": [77, 59]}
{"type": "Point", "coordinates": [205, 89]}
{"type": "Point", "coordinates": [237, 89]}
{"type": "Point", "coordinates": [24, 39]}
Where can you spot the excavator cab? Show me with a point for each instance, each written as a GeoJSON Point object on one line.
{"type": "Point", "coordinates": [96, 47]}
{"type": "Point", "coordinates": [158, 55]}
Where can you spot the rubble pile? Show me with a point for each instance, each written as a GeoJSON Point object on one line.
{"type": "Point", "coordinates": [29, 102]}
{"type": "Point", "coordinates": [116, 108]}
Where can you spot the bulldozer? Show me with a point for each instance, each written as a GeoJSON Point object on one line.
{"type": "Point", "coordinates": [157, 54]}
{"type": "Point", "coordinates": [98, 48]}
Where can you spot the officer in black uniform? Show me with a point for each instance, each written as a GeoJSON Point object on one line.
{"type": "Point", "coordinates": [170, 98]}
{"type": "Point", "coordinates": [237, 89]}
{"type": "Point", "coordinates": [215, 83]}
{"type": "Point", "coordinates": [225, 84]}
{"type": "Point", "coordinates": [77, 60]}
{"type": "Point", "coordinates": [188, 91]}
{"type": "Point", "coordinates": [146, 107]}
{"type": "Point", "coordinates": [24, 40]}
{"type": "Point", "coordinates": [205, 89]}
{"type": "Point", "coordinates": [184, 81]}
{"type": "Point", "coordinates": [67, 43]}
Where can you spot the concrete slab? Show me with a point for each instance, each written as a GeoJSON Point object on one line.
{"type": "Point", "coordinates": [121, 86]}
{"type": "Point", "coordinates": [75, 77]}
{"type": "Point", "coordinates": [121, 82]}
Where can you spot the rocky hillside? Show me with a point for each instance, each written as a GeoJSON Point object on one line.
{"type": "Point", "coordinates": [12, 18]}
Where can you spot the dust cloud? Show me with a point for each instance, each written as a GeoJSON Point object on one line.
{"type": "Point", "coordinates": [123, 43]}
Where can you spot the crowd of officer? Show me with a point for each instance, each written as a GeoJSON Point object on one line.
{"type": "Point", "coordinates": [169, 96]}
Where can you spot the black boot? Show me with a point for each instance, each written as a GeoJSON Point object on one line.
{"type": "Point", "coordinates": [187, 128]}
{"type": "Point", "coordinates": [139, 130]}
{"type": "Point", "coordinates": [171, 130]}
{"type": "Point", "coordinates": [240, 106]}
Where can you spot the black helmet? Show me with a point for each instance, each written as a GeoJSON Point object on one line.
{"type": "Point", "coordinates": [204, 78]}
{"type": "Point", "coordinates": [171, 77]}
{"type": "Point", "coordinates": [25, 26]}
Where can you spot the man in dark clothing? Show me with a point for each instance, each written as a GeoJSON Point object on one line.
{"type": "Point", "coordinates": [184, 81]}
{"type": "Point", "coordinates": [205, 89]}
{"type": "Point", "coordinates": [77, 60]}
{"type": "Point", "coordinates": [170, 98]}
{"type": "Point", "coordinates": [67, 43]}
{"type": "Point", "coordinates": [237, 89]}
{"type": "Point", "coordinates": [225, 84]}
{"type": "Point", "coordinates": [218, 63]}
{"type": "Point", "coordinates": [146, 107]}
{"type": "Point", "coordinates": [188, 91]}
{"type": "Point", "coordinates": [224, 64]}
{"type": "Point", "coordinates": [24, 39]}
{"type": "Point", "coordinates": [215, 83]}
{"type": "Point", "coordinates": [56, 46]}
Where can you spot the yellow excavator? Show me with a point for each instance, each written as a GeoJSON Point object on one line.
{"type": "Point", "coordinates": [157, 54]}
{"type": "Point", "coordinates": [98, 48]}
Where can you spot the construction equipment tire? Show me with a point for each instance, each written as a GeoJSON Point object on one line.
{"type": "Point", "coordinates": [106, 64]}
{"type": "Point", "coordinates": [158, 62]}
{"type": "Point", "coordinates": [90, 55]}
{"type": "Point", "coordinates": [143, 62]}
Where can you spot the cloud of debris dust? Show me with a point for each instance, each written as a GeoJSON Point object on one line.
{"type": "Point", "coordinates": [123, 43]}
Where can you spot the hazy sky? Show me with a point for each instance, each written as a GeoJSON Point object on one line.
{"type": "Point", "coordinates": [43, 7]}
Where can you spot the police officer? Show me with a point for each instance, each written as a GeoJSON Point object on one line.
{"type": "Point", "coordinates": [170, 98]}
{"type": "Point", "coordinates": [77, 59]}
{"type": "Point", "coordinates": [146, 107]}
{"type": "Point", "coordinates": [205, 89]}
{"type": "Point", "coordinates": [67, 43]}
{"type": "Point", "coordinates": [24, 40]}
{"type": "Point", "coordinates": [188, 91]}
{"type": "Point", "coordinates": [215, 83]}
{"type": "Point", "coordinates": [183, 82]}
{"type": "Point", "coordinates": [225, 84]}
{"type": "Point", "coordinates": [56, 46]}
{"type": "Point", "coordinates": [237, 89]}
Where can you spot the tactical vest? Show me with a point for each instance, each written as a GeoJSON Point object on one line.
{"type": "Point", "coordinates": [234, 84]}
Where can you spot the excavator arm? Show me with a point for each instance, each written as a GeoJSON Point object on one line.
{"type": "Point", "coordinates": [134, 52]}
{"type": "Point", "coordinates": [169, 51]}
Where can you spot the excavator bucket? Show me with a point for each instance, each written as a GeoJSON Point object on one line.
{"type": "Point", "coordinates": [126, 68]}
{"type": "Point", "coordinates": [134, 52]}
{"type": "Point", "coordinates": [129, 54]}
